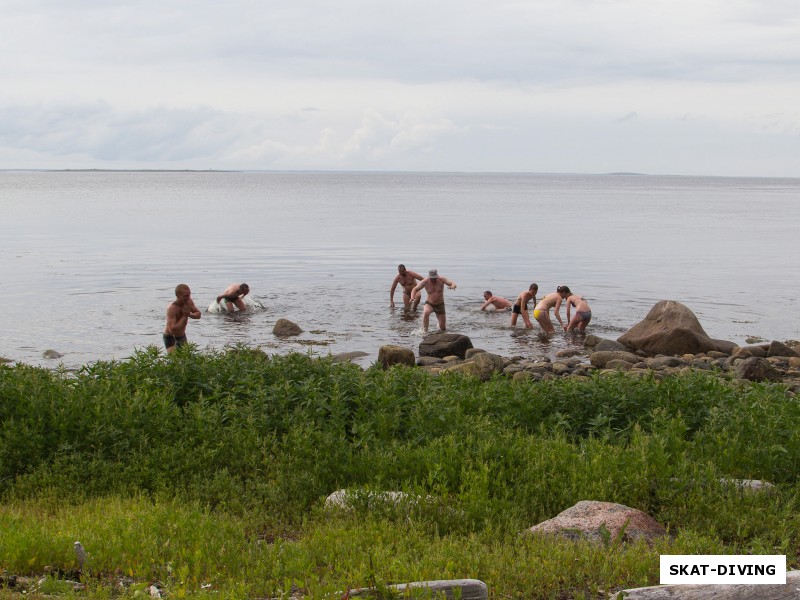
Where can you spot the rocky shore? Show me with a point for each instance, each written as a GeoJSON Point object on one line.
{"type": "Point", "coordinates": [670, 340]}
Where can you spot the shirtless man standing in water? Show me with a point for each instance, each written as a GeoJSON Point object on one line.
{"type": "Point", "coordinates": [542, 312]}
{"type": "Point", "coordinates": [434, 286]}
{"type": "Point", "coordinates": [407, 280]}
{"type": "Point", "coordinates": [521, 305]}
{"type": "Point", "coordinates": [178, 315]}
{"type": "Point", "coordinates": [233, 295]}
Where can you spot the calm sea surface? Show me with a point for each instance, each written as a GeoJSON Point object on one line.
{"type": "Point", "coordinates": [90, 259]}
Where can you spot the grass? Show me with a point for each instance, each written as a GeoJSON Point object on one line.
{"type": "Point", "coordinates": [206, 472]}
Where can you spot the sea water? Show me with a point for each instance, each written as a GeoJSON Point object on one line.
{"type": "Point", "coordinates": [91, 259]}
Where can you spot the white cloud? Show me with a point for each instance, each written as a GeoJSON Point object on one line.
{"type": "Point", "coordinates": [309, 84]}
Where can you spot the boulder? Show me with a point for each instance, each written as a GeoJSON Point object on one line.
{"type": "Point", "coordinates": [759, 351]}
{"type": "Point", "coordinates": [602, 522]}
{"type": "Point", "coordinates": [472, 352]}
{"type": "Point", "coordinates": [429, 361]}
{"type": "Point", "coordinates": [348, 499]}
{"type": "Point", "coordinates": [445, 344]}
{"type": "Point", "coordinates": [716, 591]}
{"type": "Point", "coordinates": [559, 368]}
{"type": "Point", "coordinates": [348, 356]}
{"type": "Point", "coordinates": [489, 364]}
{"type": "Point", "coordinates": [749, 485]}
{"type": "Point", "coordinates": [51, 354]}
{"type": "Point", "coordinates": [659, 362]}
{"type": "Point", "coordinates": [601, 359]}
{"type": "Point", "coordinates": [756, 369]}
{"type": "Point", "coordinates": [741, 353]}
{"type": "Point", "coordinates": [724, 346]}
{"type": "Point", "coordinates": [609, 345]}
{"type": "Point", "coordinates": [777, 348]}
{"type": "Point", "coordinates": [618, 365]}
{"type": "Point", "coordinates": [670, 328]}
{"type": "Point", "coordinates": [481, 365]}
{"type": "Point", "coordinates": [465, 368]}
{"type": "Point", "coordinates": [569, 352]}
{"type": "Point", "coordinates": [286, 328]}
{"type": "Point", "coordinates": [395, 355]}
{"type": "Point", "coordinates": [591, 340]}
{"type": "Point", "coordinates": [465, 589]}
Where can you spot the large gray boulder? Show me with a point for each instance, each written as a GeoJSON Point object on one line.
{"type": "Point", "coordinates": [777, 348]}
{"type": "Point", "coordinates": [671, 328]}
{"type": "Point", "coordinates": [756, 369]}
{"type": "Point", "coordinates": [395, 355]}
{"type": "Point", "coordinates": [286, 328]}
{"type": "Point", "coordinates": [600, 522]}
{"type": "Point", "coordinates": [445, 344]}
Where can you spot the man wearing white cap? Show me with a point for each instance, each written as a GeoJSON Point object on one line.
{"type": "Point", "coordinates": [434, 286]}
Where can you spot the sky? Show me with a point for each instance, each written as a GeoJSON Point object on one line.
{"type": "Point", "coordinates": [687, 87]}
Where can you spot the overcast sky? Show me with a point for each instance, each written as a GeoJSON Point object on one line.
{"type": "Point", "coordinates": [707, 87]}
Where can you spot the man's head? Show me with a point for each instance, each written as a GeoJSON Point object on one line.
{"type": "Point", "coordinates": [182, 292]}
{"type": "Point", "coordinates": [487, 294]}
{"type": "Point", "coordinates": [401, 269]}
{"type": "Point", "coordinates": [534, 287]}
{"type": "Point", "coordinates": [433, 274]}
{"type": "Point", "coordinates": [244, 288]}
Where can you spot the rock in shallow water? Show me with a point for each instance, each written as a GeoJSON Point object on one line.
{"type": "Point", "coordinates": [671, 328]}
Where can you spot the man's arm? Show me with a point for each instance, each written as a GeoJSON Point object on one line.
{"type": "Point", "coordinates": [485, 304]}
{"type": "Point", "coordinates": [391, 291]}
{"type": "Point", "coordinates": [448, 283]}
{"type": "Point", "coordinates": [418, 287]}
{"type": "Point", "coordinates": [194, 313]}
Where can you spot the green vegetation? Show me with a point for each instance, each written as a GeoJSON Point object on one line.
{"type": "Point", "coordinates": [208, 473]}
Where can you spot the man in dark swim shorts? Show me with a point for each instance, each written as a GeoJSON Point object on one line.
{"type": "Point", "coordinates": [233, 295]}
{"type": "Point", "coordinates": [434, 286]}
{"type": "Point", "coordinates": [178, 315]}
{"type": "Point", "coordinates": [520, 307]}
{"type": "Point", "coordinates": [170, 341]}
{"type": "Point", "coordinates": [407, 279]}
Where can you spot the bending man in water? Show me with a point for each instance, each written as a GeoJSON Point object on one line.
{"type": "Point", "coordinates": [178, 315]}
{"type": "Point", "coordinates": [233, 295]}
{"type": "Point", "coordinates": [498, 302]}
{"type": "Point", "coordinates": [542, 312]}
{"type": "Point", "coordinates": [583, 312]}
{"type": "Point", "coordinates": [521, 305]}
{"type": "Point", "coordinates": [407, 279]}
{"type": "Point", "coordinates": [434, 286]}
